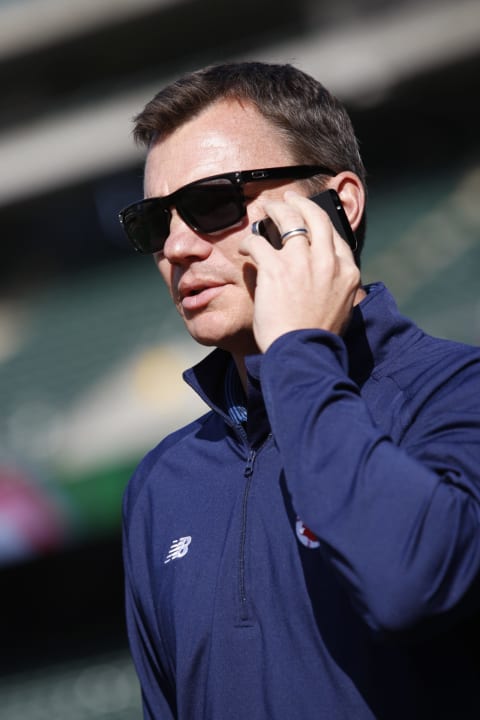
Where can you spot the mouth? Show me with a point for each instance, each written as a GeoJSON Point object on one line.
{"type": "Point", "coordinates": [193, 287]}
{"type": "Point", "coordinates": [191, 292]}
{"type": "Point", "coordinates": [199, 296]}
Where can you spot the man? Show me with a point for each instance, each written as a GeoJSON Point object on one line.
{"type": "Point", "coordinates": [309, 548]}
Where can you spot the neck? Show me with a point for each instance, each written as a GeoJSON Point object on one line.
{"type": "Point", "coordinates": [239, 361]}
{"type": "Point", "coordinates": [360, 294]}
{"type": "Point", "coordinates": [239, 358]}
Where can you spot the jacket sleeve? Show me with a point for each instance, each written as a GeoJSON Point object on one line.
{"type": "Point", "coordinates": [398, 521]}
{"type": "Point", "coordinates": [145, 643]}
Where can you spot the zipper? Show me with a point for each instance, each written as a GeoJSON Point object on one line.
{"type": "Point", "coordinates": [245, 615]}
{"type": "Point", "coordinates": [248, 474]}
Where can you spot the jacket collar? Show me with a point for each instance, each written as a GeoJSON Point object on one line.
{"type": "Point", "coordinates": [375, 329]}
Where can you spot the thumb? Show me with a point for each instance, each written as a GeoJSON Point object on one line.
{"type": "Point", "coordinates": [257, 248]}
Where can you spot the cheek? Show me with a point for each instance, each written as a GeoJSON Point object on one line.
{"type": "Point", "coordinates": [165, 269]}
{"type": "Point", "coordinates": [250, 278]}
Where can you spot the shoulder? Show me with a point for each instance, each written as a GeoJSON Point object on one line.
{"type": "Point", "coordinates": [417, 379]}
{"type": "Point", "coordinates": [155, 464]}
{"type": "Point", "coordinates": [431, 389]}
{"type": "Point", "coordinates": [434, 362]}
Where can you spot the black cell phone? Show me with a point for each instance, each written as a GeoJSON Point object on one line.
{"type": "Point", "coordinates": [329, 201]}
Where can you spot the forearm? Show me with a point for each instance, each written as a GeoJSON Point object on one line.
{"type": "Point", "coordinates": [402, 533]}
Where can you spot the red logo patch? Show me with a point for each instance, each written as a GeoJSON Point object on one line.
{"type": "Point", "coordinates": [306, 536]}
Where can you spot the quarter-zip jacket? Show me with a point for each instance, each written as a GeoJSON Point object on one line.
{"type": "Point", "coordinates": [322, 562]}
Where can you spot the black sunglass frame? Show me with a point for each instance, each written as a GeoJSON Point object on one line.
{"type": "Point", "coordinates": [135, 217]}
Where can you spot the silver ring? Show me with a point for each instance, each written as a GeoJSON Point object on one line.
{"type": "Point", "coordinates": [292, 233]}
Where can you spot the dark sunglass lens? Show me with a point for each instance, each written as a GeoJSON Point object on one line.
{"type": "Point", "coordinates": [211, 206]}
{"type": "Point", "coordinates": [147, 224]}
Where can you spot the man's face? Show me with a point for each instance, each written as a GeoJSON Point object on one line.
{"type": "Point", "coordinates": [211, 284]}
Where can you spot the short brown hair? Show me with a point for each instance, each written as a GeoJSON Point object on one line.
{"type": "Point", "coordinates": [313, 123]}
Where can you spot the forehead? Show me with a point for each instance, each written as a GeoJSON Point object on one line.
{"type": "Point", "coordinates": [227, 136]}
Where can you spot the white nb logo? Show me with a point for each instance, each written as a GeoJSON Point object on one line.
{"type": "Point", "coordinates": [178, 548]}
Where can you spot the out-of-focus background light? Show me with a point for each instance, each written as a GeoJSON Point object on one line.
{"type": "Point", "coordinates": [91, 352]}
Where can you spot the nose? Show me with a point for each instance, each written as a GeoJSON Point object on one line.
{"type": "Point", "coordinates": [184, 244]}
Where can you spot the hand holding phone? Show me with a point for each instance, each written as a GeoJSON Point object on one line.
{"type": "Point", "coordinates": [329, 201]}
{"type": "Point", "coordinates": [308, 285]}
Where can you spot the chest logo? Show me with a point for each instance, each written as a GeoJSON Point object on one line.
{"type": "Point", "coordinates": [306, 536]}
{"type": "Point", "coordinates": [178, 549]}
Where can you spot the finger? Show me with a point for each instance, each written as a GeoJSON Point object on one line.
{"type": "Point", "coordinates": [293, 233]}
{"type": "Point", "coordinates": [321, 228]}
{"type": "Point", "coordinates": [257, 248]}
{"type": "Point", "coordinates": [329, 237]}
{"type": "Point", "coordinates": [290, 223]}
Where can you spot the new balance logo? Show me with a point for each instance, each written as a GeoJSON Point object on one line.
{"type": "Point", "coordinates": [178, 549]}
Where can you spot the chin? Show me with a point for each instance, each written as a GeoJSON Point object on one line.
{"type": "Point", "coordinates": [235, 340]}
{"type": "Point", "coordinates": [205, 335]}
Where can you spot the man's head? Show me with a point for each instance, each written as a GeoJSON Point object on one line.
{"type": "Point", "coordinates": [237, 118]}
{"type": "Point", "coordinates": [314, 126]}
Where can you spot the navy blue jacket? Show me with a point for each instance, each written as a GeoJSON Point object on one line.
{"type": "Point", "coordinates": [322, 562]}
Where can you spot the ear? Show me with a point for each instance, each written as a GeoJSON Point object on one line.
{"type": "Point", "coordinates": [352, 194]}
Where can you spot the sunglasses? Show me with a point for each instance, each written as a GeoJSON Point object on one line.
{"type": "Point", "coordinates": [207, 205]}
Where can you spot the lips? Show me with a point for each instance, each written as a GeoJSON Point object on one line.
{"type": "Point", "coordinates": [193, 287]}
{"type": "Point", "coordinates": [195, 295]}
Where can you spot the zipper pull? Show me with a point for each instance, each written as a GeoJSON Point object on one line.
{"type": "Point", "coordinates": [250, 463]}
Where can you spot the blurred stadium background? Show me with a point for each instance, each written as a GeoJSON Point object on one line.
{"type": "Point", "coordinates": [90, 350]}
